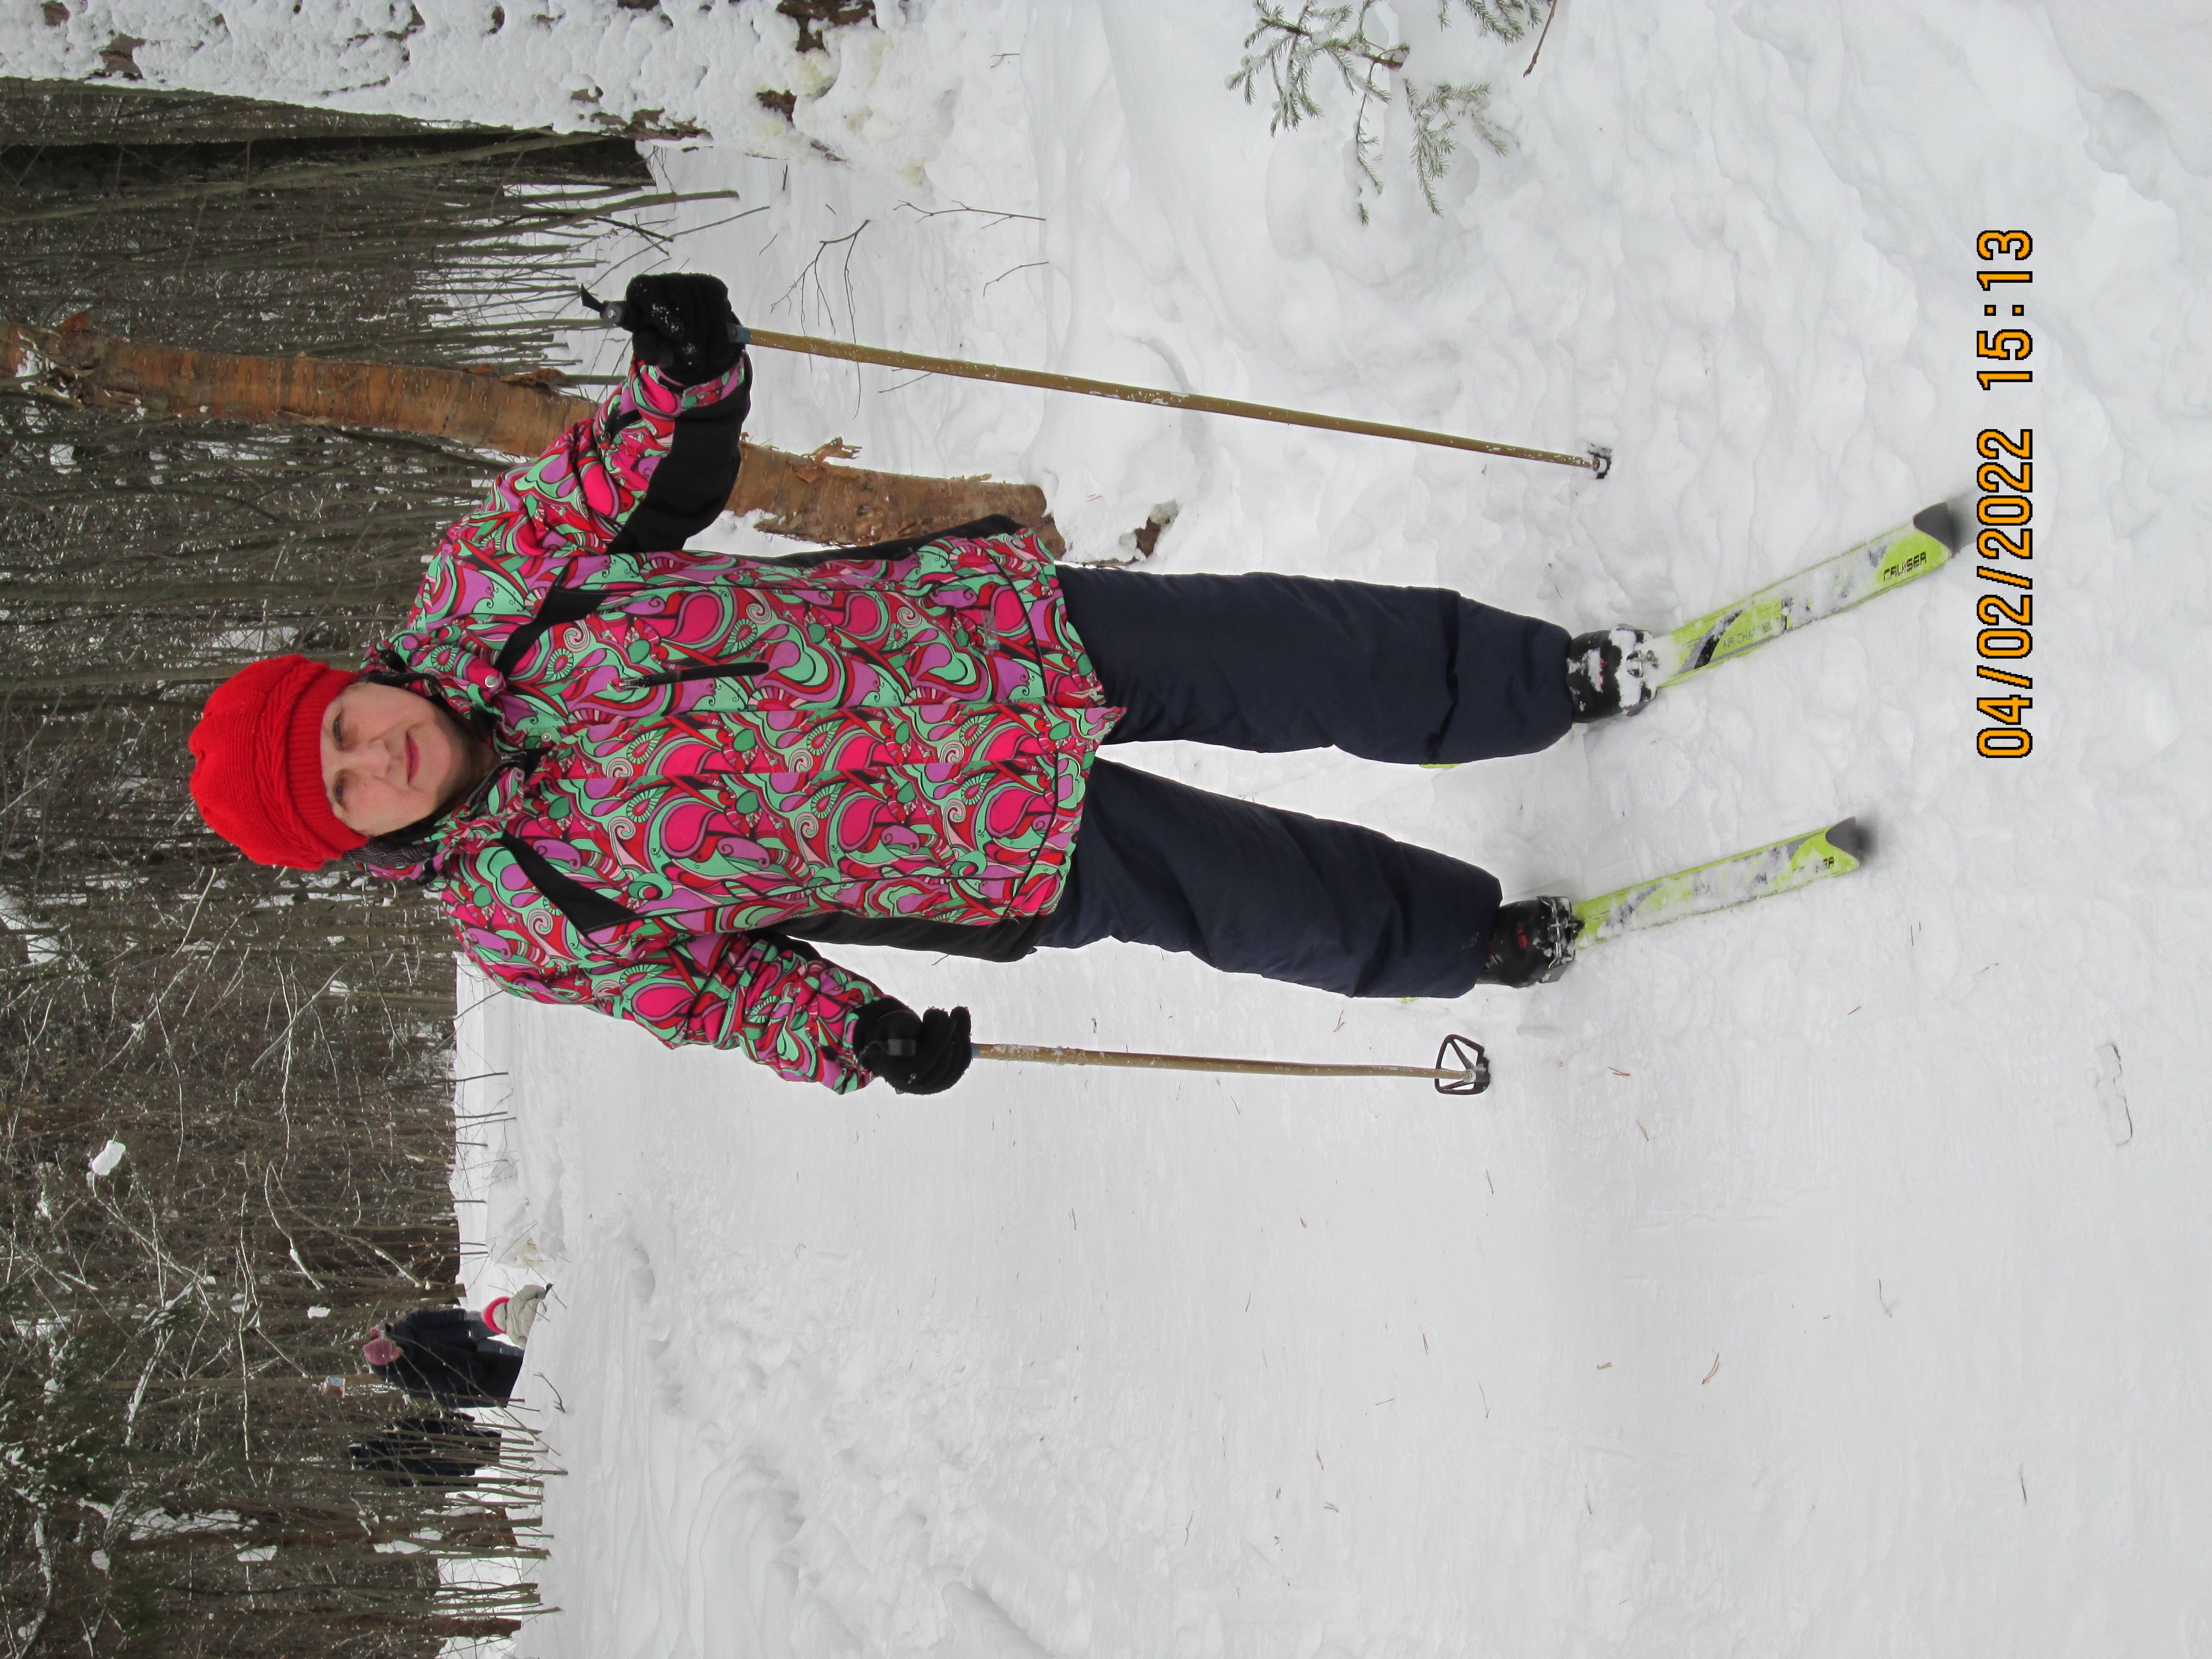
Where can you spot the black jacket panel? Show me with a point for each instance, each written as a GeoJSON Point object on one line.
{"type": "Point", "coordinates": [450, 1355]}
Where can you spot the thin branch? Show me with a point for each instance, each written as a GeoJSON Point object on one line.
{"type": "Point", "coordinates": [994, 214]}
{"type": "Point", "coordinates": [1034, 264]}
{"type": "Point", "coordinates": [1540, 39]}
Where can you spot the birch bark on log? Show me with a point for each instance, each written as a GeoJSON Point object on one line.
{"type": "Point", "coordinates": [806, 497]}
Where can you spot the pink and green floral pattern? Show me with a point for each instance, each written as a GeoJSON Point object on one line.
{"type": "Point", "coordinates": [906, 738]}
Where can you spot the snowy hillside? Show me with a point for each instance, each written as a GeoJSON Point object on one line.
{"type": "Point", "coordinates": [1814, 1279]}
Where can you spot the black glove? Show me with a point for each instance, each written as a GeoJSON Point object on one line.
{"type": "Point", "coordinates": [681, 323]}
{"type": "Point", "coordinates": [922, 1056]}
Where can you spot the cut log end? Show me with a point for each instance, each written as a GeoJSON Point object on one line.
{"type": "Point", "coordinates": [807, 498]}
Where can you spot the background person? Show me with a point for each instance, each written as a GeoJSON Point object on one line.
{"type": "Point", "coordinates": [445, 1354]}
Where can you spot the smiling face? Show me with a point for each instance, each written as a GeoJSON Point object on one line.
{"type": "Point", "coordinates": [391, 758]}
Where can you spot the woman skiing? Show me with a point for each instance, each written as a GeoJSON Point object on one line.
{"type": "Point", "coordinates": [649, 780]}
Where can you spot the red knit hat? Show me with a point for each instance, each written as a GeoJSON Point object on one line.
{"type": "Point", "coordinates": [259, 780]}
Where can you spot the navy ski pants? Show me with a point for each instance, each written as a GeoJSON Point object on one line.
{"type": "Point", "coordinates": [1271, 664]}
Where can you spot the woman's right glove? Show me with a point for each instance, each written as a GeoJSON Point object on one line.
{"type": "Point", "coordinates": [916, 1054]}
{"type": "Point", "coordinates": [681, 323]}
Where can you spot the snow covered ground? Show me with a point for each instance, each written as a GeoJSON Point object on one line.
{"type": "Point", "coordinates": [1814, 1279]}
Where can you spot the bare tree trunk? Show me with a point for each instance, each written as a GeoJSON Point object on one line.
{"type": "Point", "coordinates": [414, 1624]}
{"type": "Point", "coordinates": [798, 495]}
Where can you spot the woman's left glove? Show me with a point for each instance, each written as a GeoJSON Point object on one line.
{"type": "Point", "coordinates": [681, 323]}
{"type": "Point", "coordinates": [916, 1054]}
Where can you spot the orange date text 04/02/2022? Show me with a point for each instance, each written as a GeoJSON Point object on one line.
{"type": "Point", "coordinates": [2003, 478]}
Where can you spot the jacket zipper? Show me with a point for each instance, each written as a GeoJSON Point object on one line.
{"type": "Point", "coordinates": [710, 672]}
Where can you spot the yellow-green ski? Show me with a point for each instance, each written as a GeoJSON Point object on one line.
{"type": "Point", "coordinates": [1782, 867]}
{"type": "Point", "coordinates": [1819, 591]}
{"type": "Point", "coordinates": [1890, 560]}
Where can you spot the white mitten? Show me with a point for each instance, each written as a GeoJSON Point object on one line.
{"type": "Point", "coordinates": [521, 1312]}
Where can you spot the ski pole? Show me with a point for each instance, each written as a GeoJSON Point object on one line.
{"type": "Point", "coordinates": [1461, 1068]}
{"type": "Point", "coordinates": [1597, 460]}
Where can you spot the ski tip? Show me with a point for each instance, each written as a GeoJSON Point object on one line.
{"type": "Point", "coordinates": [1852, 837]}
{"type": "Point", "coordinates": [1940, 522]}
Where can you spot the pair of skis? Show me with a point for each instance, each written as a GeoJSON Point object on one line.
{"type": "Point", "coordinates": [1815, 593]}
{"type": "Point", "coordinates": [1912, 549]}
{"type": "Point", "coordinates": [1820, 590]}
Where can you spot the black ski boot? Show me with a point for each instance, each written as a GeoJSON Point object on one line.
{"type": "Point", "coordinates": [1614, 671]}
{"type": "Point", "coordinates": [1532, 943]}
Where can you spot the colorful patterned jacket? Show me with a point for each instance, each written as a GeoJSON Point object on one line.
{"type": "Point", "coordinates": [696, 748]}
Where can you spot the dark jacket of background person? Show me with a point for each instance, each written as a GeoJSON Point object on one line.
{"type": "Point", "coordinates": [450, 1355]}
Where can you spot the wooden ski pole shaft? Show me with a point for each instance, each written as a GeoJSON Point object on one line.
{"type": "Point", "coordinates": [813, 346]}
{"type": "Point", "coordinates": [1599, 461]}
{"type": "Point", "coordinates": [1461, 1068]}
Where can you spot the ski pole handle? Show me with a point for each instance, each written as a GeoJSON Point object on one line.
{"type": "Point", "coordinates": [613, 313]}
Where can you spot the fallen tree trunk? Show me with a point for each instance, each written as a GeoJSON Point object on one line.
{"type": "Point", "coordinates": [803, 496]}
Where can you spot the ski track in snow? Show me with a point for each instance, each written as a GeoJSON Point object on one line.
{"type": "Point", "coordinates": [1796, 1288]}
